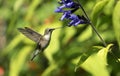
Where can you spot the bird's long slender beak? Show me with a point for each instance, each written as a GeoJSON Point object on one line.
{"type": "Point", "coordinates": [59, 27]}
{"type": "Point", "coordinates": [56, 28]}
{"type": "Point", "coordinates": [52, 29]}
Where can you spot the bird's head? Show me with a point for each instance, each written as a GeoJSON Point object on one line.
{"type": "Point", "coordinates": [49, 30]}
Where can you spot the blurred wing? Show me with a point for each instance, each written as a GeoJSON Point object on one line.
{"type": "Point", "coordinates": [30, 34]}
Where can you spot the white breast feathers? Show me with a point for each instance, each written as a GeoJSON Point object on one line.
{"type": "Point", "coordinates": [47, 37]}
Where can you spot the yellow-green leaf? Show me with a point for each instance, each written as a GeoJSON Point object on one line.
{"type": "Point", "coordinates": [32, 8]}
{"type": "Point", "coordinates": [108, 7]}
{"type": "Point", "coordinates": [116, 21]}
{"type": "Point", "coordinates": [12, 44]}
{"type": "Point", "coordinates": [17, 61]}
{"type": "Point", "coordinates": [96, 63]}
{"type": "Point", "coordinates": [97, 10]}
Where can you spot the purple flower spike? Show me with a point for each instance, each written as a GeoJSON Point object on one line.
{"type": "Point", "coordinates": [75, 20]}
{"type": "Point", "coordinates": [63, 6]}
{"type": "Point", "coordinates": [69, 14]}
{"type": "Point", "coordinates": [66, 14]}
{"type": "Point", "coordinates": [73, 16]}
{"type": "Point", "coordinates": [80, 22]}
{"type": "Point", "coordinates": [77, 23]}
{"type": "Point", "coordinates": [70, 4]}
{"type": "Point", "coordinates": [66, 1]}
{"type": "Point", "coordinates": [72, 23]}
{"type": "Point", "coordinates": [58, 10]}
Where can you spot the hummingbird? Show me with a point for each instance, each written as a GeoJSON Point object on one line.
{"type": "Point", "coordinates": [41, 40]}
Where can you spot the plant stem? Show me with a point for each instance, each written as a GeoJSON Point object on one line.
{"type": "Point", "coordinates": [93, 27]}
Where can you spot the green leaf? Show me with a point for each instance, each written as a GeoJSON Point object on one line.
{"type": "Point", "coordinates": [116, 21]}
{"type": "Point", "coordinates": [12, 44]}
{"type": "Point", "coordinates": [32, 8]}
{"type": "Point", "coordinates": [51, 68]}
{"type": "Point", "coordinates": [97, 10]}
{"type": "Point", "coordinates": [18, 4]}
{"type": "Point", "coordinates": [17, 61]}
{"type": "Point", "coordinates": [108, 7]}
{"type": "Point", "coordinates": [96, 64]}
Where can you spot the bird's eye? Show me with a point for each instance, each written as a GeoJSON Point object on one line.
{"type": "Point", "coordinates": [49, 29]}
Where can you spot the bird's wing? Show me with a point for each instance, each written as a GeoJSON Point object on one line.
{"type": "Point", "coordinates": [30, 34]}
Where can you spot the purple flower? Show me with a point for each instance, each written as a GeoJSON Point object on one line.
{"type": "Point", "coordinates": [65, 1]}
{"type": "Point", "coordinates": [58, 10]}
{"type": "Point", "coordinates": [76, 19]}
{"type": "Point", "coordinates": [68, 4]}
{"type": "Point", "coordinates": [66, 14]}
{"type": "Point", "coordinates": [69, 14]}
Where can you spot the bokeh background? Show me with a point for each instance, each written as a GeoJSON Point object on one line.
{"type": "Point", "coordinates": [73, 51]}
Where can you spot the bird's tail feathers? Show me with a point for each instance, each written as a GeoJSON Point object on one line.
{"type": "Point", "coordinates": [35, 54]}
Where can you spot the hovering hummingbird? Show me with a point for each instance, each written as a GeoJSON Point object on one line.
{"type": "Point", "coordinates": [41, 40]}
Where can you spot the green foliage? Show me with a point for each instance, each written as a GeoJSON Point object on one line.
{"type": "Point", "coordinates": [71, 48]}
{"type": "Point", "coordinates": [97, 10]}
{"type": "Point", "coordinates": [17, 62]}
{"type": "Point", "coordinates": [95, 61]}
{"type": "Point", "coordinates": [116, 21]}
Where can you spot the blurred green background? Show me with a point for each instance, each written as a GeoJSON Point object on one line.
{"type": "Point", "coordinates": [73, 51]}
